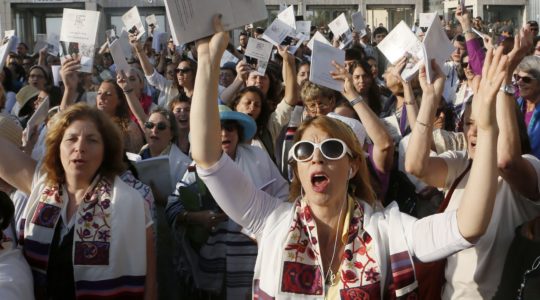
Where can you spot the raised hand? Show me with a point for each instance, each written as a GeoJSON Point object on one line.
{"type": "Point", "coordinates": [214, 46]}
{"type": "Point", "coordinates": [134, 42]}
{"type": "Point", "coordinates": [68, 72]}
{"type": "Point", "coordinates": [341, 73]}
{"type": "Point", "coordinates": [522, 44]}
{"type": "Point", "coordinates": [121, 80]}
{"type": "Point", "coordinates": [493, 74]}
{"type": "Point", "coordinates": [436, 87]}
{"type": "Point", "coordinates": [463, 18]}
{"type": "Point", "coordinates": [242, 70]}
{"type": "Point", "coordinates": [284, 52]}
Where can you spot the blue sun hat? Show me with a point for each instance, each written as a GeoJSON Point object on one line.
{"type": "Point", "coordinates": [248, 124]}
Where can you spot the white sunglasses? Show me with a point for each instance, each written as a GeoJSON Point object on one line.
{"type": "Point", "coordinates": [331, 149]}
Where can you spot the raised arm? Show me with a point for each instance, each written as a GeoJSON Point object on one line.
{"type": "Point", "coordinates": [383, 146]}
{"type": "Point", "coordinates": [474, 48]}
{"type": "Point", "coordinates": [132, 100]}
{"type": "Point", "coordinates": [147, 67]}
{"type": "Point", "coordinates": [476, 207]}
{"type": "Point", "coordinates": [242, 73]}
{"type": "Point", "coordinates": [431, 170]}
{"type": "Point", "coordinates": [515, 170]}
{"type": "Point", "coordinates": [69, 71]}
{"type": "Point", "coordinates": [16, 167]}
{"type": "Point", "coordinates": [204, 117]}
{"type": "Point", "coordinates": [289, 73]}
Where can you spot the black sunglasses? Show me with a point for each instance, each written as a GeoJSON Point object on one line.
{"type": "Point", "coordinates": [183, 71]}
{"type": "Point", "coordinates": [525, 79]}
{"type": "Point", "coordinates": [160, 125]}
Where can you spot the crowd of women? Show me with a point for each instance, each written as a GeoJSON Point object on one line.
{"type": "Point", "coordinates": [279, 188]}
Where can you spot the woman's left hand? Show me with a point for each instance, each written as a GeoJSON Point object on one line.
{"type": "Point", "coordinates": [215, 45]}
{"type": "Point", "coordinates": [341, 73]}
{"type": "Point", "coordinates": [121, 80]}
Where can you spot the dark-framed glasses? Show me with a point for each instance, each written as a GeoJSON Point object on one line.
{"type": "Point", "coordinates": [183, 71]}
{"type": "Point", "coordinates": [160, 125]}
{"type": "Point", "coordinates": [525, 79]}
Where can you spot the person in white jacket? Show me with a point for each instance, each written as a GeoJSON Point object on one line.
{"type": "Point", "coordinates": [333, 240]}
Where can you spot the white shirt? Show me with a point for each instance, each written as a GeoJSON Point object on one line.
{"type": "Point", "coordinates": [475, 273]}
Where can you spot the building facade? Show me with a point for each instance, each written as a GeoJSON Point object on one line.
{"type": "Point", "coordinates": [30, 17]}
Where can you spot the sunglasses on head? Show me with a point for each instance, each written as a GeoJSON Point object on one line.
{"type": "Point", "coordinates": [525, 79]}
{"type": "Point", "coordinates": [183, 71]}
{"type": "Point", "coordinates": [160, 125]}
{"type": "Point", "coordinates": [229, 126]}
{"type": "Point", "coordinates": [331, 149]}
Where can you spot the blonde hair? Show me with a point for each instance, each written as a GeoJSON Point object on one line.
{"type": "Point", "coordinates": [359, 185]}
{"type": "Point", "coordinates": [310, 91]}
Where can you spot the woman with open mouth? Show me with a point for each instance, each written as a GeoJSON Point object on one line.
{"type": "Point", "coordinates": [332, 240]}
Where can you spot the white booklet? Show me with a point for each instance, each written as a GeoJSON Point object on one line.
{"type": "Point", "coordinates": [288, 17]}
{"type": "Point", "coordinates": [437, 46]}
{"type": "Point", "coordinates": [321, 65]}
{"type": "Point", "coordinates": [78, 36]}
{"type": "Point", "coordinates": [341, 30]}
{"type": "Point", "coordinates": [119, 57]}
{"type": "Point", "coordinates": [37, 118]}
{"type": "Point", "coordinates": [425, 19]}
{"type": "Point", "coordinates": [279, 33]}
{"type": "Point", "coordinates": [318, 37]}
{"type": "Point", "coordinates": [55, 70]}
{"type": "Point", "coordinates": [133, 23]}
{"type": "Point", "coordinates": [5, 47]}
{"type": "Point", "coordinates": [153, 170]}
{"type": "Point", "coordinates": [303, 27]}
{"type": "Point", "coordinates": [402, 41]}
{"type": "Point", "coordinates": [359, 23]}
{"type": "Point", "coordinates": [11, 34]}
{"type": "Point", "coordinates": [151, 20]}
{"type": "Point", "coordinates": [47, 40]}
{"type": "Point", "coordinates": [159, 41]}
{"type": "Point", "coordinates": [192, 19]}
{"type": "Point", "coordinates": [228, 57]}
{"type": "Point", "coordinates": [260, 50]}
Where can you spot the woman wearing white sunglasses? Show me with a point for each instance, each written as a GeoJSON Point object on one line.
{"type": "Point", "coordinates": [328, 242]}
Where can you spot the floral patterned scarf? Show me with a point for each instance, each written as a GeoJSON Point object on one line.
{"type": "Point", "coordinates": [302, 273]}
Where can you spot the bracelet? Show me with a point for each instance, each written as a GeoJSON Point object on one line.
{"type": "Point", "coordinates": [423, 124]}
{"type": "Point", "coordinates": [468, 31]}
{"type": "Point", "coordinates": [127, 91]}
{"type": "Point", "coordinates": [409, 103]}
{"type": "Point", "coordinates": [356, 101]}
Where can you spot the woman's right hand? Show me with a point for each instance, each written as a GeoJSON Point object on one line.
{"type": "Point", "coordinates": [242, 70]}
{"type": "Point", "coordinates": [69, 73]}
{"type": "Point", "coordinates": [121, 80]}
{"type": "Point", "coordinates": [134, 42]}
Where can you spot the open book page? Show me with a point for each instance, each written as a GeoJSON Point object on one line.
{"type": "Point", "coordinates": [192, 19]}
{"type": "Point", "coordinates": [402, 41]}
{"type": "Point", "coordinates": [47, 40]}
{"type": "Point", "coordinates": [261, 51]}
{"type": "Point", "coordinates": [318, 37]}
{"type": "Point", "coordinates": [119, 57]}
{"type": "Point", "coordinates": [155, 170]}
{"type": "Point", "coordinates": [133, 23]}
{"type": "Point", "coordinates": [40, 42]}
{"type": "Point", "coordinates": [288, 17]}
{"type": "Point", "coordinates": [321, 65]}
{"type": "Point", "coordinates": [279, 33]}
{"type": "Point", "coordinates": [341, 30]}
{"type": "Point", "coordinates": [437, 46]}
{"type": "Point", "coordinates": [78, 36]}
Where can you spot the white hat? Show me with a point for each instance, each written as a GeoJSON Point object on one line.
{"type": "Point", "coordinates": [10, 130]}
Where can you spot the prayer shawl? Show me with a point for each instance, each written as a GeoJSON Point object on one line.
{"type": "Point", "coordinates": [109, 242]}
{"type": "Point", "coordinates": [360, 272]}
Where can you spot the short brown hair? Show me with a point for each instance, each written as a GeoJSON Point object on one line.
{"type": "Point", "coordinates": [310, 91]}
{"type": "Point", "coordinates": [113, 149]}
{"type": "Point", "coordinates": [359, 185]}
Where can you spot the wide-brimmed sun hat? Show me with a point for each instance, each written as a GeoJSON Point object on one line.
{"type": "Point", "coordinates": [26, 94]}
{"type": "Point", "coordinates": [10, 130]}
{"type": "Point", "coordinates": [248, 124]}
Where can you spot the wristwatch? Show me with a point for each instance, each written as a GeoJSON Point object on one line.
{"type": "Point", "coordinates": [508, 89]}
{"type": "Point", "coordinates": [356, 100]}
